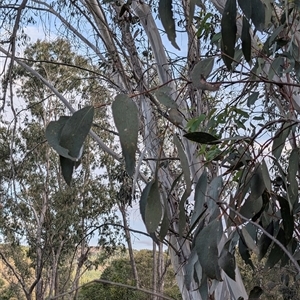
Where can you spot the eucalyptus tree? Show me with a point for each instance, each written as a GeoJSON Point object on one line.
{"type": "Point", "coordinates": [39, 210]}
{"type": "Point", "coordinates": [209, 175]}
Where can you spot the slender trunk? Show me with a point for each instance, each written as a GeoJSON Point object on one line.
{"type": "Point", "coordinates": [154, 272]}
{"type": "Point", "coordinates": [160, 267]}
{"type": "Point", "coordinates": [129, 245]}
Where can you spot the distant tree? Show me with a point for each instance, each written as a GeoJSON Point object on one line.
{"type": "Point", "coordinates": [38, 207]}
{"type": "Point", "coordinates": [120, 271]}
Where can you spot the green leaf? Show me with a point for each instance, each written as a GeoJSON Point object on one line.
{"type": "Point", "coordinates": [252, 98]}
{"type": "Point", "coordinates": [202, 70]}
{"type": "Point", "coordinates": [249, 241]}
{"type": "Point", "coordinates": [287, 218]}
{"type": "Point", "coordinates": [167, 20]}
{"type": "Point", "coordinates": [184, 164]}
{"type": "Point", "coordinates": [201, 137]}
{"type": "Point", "coordinates": [257, 183]}
{"type": "Point", "coordinates": [246, 7]}
{"type": "Point", "coordinates": [246, 40]}
{"type": "Point", "coordinates": [227, 261]}
{"type": "Point", "coordinates": [264, 242]}
{"type": "Point", "coordinates": [67, 168]}
{"type": "Point", "coordinates": [258, 14]}
{"type": "Point", "coordinates": [164, 227]}
{"type": "Point", "coordinates": [213, 196]}
{"type": "Point", "coordinates": [265, 175]}
{"type": "Point", "coordinates": [188, 184]}
{"type": "Point", "coordinates": [162, 95]}
{"type": "Point", "coordinates": [125, 114]}
{"type": "Point", "coordinates": [228, 31]}
{"type": "Point", "coordinates": [276, 252]}
{"type": "Point", "coordinates": [53, 133]}
{"type": "Point", "coordinates": [153, 209]}
{"type": "Point", "coordinates": [292, 177]}
{"type": "Point", "coordinates": [279, 139]}
{"type": "Point", "coordinates": [206, 244]}
{"type": "Point", "coordinates": [144, 199]}
{"type": "Point", "coordinates": [76, 129]}
{"type": "Point", "coordinates": [190, 267]}
{"type": "Point", "coordinates": [251, 207]}
{"type": "Point", "coordinates": [200, 196]}
{"type": "Point", "coordinates": [244, 252]}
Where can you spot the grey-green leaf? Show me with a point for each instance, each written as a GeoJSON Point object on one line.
{"type": "Point", "coordinates": [206, 244]}
{"type": "Point", "coordinates": [252, 98]}
{"type": "Point", "coordinates": [75, 131]}
{"type": "Point", "coordinates": [166, 15]}
{"type": "Point", "coordinates": [202, 70]}
{"type": "Point", "coordinates": [227, 261]}
{"type": "Point", "coordinates": [184, 164]}
{"type": "Point", "coordinates": [162, 95]}
{"type": "Point", "coordinates": [292, 177]}
{"type": "Point", "coordinates": [228, 31]}
{"type": "Point", "coordinates": [246, 7]}
{"type": "Point", "coordinates": [258, 14]}
{"type": "Point", "coordinates": [125, 114]}
{"type": "Point", "coordinates": [53, 133]}
{"type": "Point", "coordinates": [279, 140]}
{"type": "Point", "coordinates": [201, 137]}
{"type": "Point", "coordinates": [67, 168]}
{"type": "Point", "coordinates": [200, 196]}
{"type": "Point", "coordinates": [246, 40]}
{"type": "Point", "coordinates": [153, 209]}
{"type": "Point", "coordinates": [287, 218]}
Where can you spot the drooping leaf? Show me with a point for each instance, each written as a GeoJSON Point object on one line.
{"type": "Point", "coordinates": [203, 289]}
{"type": "Point", "coordinates": [144, 199]}
{"type": "Point", "coordinates": [246, 40]}
{"type": "Point", "coordinates": [287, 218]}
{"type": "Point", "coordinates": [75, 130]}
{"type": "Point", "coordinates": [213, 195]}
{"type": "Point", "coordinates": [164, 227]}
{"type": "Point", "coordinates": [228, 31]}
{"type": "Point", "coordinates": [190, 267]}
{"type": "Point", "coordinates": [265, 175]}
{"type": "Point", "coordinates": [125, 114]}
{"type": "Point", "coordinates": [201, 137]}
{"type": "Point", "coordinates": [67, 168]}
{"type": "Point", "coordinates": [264, 242]}
{"type": "Point", "coordinates": [184, 164]}
{"type": "Point", "coordinates": [206, 244]}
{"type": "Point", "coordinates": [249, 241]}
{"type": "Point", "coordinates": [202, 70]}
{"type": "Point", "coordinates": [244, 252]}
{"type": "Point", "coordinates": [257, 183]}
{"type": "Point", "coordinates": [292, 178]}
{"type": "Point", "coordinates": [162, 95]}
{"type": "Point", "coordinates": [53, 133]}
{"type": "Point", "coordinates": [166, 15]}
{"type": "Point", "coordinates": [252, 98]}
{"type": "Point", "coordinates": [188, 185]}
{"type": "Point", "coordinates": [276, 252]}
{"type": "Point", "coordinates": [246, 7]}
{"type": "Point", "coordinates": [276, 68]}
{"type": "Point", "coordinates": [279, 139]}
{"type": "Point", "coordinates": [153, 209]}
{"type": "Point", "coordinates": [227, 261]}
{"type": "Point", "coordinates": [258, 14]}
{"type": "Point", "coordinates": [200, 196]}
{"type": "Point", "coordinates": [251, 207]}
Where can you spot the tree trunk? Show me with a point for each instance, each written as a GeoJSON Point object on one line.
{"type": "Point", "coordinates": [129, 244]}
